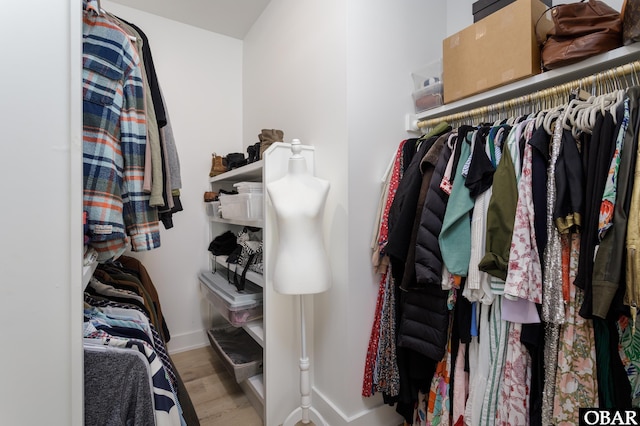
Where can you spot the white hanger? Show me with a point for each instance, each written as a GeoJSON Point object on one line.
{"type": "Point", "coordinates": [540, 118]}
{"type": "Point", "coordinates": [597, 108]}
{"type": "Point", "coordinates": [620, 95]}
{"type": "Point", "coordinates": [552, 115]}
{"type": "Point", "coordinates": [582, 120]}
{"type": "Point", "coordinates": [577, 112]}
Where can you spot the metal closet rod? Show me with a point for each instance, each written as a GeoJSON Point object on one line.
{"type": "Point", "coordinates": [598, 83]}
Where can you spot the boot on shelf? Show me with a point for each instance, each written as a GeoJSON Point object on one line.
{"type": "Point", "coordinates": [218, 165]}
{"type": "Point", "coordinates": [269, 136]}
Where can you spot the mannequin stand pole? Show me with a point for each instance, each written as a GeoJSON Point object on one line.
{"type": "Point", "coordinates": [305, 413]}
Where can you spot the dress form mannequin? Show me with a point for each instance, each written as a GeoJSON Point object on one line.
{"type": "Point", "coordinates": [301, 264]}
{"type": "Point", "coordinates": [298, 198]}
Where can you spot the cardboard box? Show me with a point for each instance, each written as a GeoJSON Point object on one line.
{"type": "Point", "coordinates": [497, 50]}
{"type": "Point", "coordinates": [483, 8]}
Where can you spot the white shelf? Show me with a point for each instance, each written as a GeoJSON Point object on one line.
{"type": "Point", "coordinates": [255, 330]}
{"type": "Point", "coordinates": [257, 383]}
{"type": "Point", "coordinates": [87, 273]}
{"type": "Point", "coordinates": [253, 387]}
{"type": "Point", "coordinates": [254, 277]}
{"type": "Point", "coordinates": [585, 68]}
{"type": "Point", "coordinates": [252, 223]}
{"type": "Point", "coordinates": [252, 172]}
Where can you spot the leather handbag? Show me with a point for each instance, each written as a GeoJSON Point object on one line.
{"type": "Point", "coordinates": [577, 31]}
{"type": "Point", "coordinates": [630, 21]}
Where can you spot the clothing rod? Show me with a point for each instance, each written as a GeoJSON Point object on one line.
{"type": "Point", "coordinates": [595, 84]}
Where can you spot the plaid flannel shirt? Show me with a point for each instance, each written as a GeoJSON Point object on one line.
{"type": "Point", "coordinates": [114, 140]}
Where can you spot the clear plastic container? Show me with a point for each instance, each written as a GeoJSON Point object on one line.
{"type": "Point", "coordinates": [213, 208]}
{"type": "Point", "coordinates": [246, 206]}
{"type": "Point", "coordinates": [428, 97]}
{"type": "Point", "coordinates": [241, 355]}
{"type": "Point", "coordinates": [238, 308]}
{"type": "Point", "coordinates": [427, 75]}
{"type": "Point", "coordinates": [428, 87]}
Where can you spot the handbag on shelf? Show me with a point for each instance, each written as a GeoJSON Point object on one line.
{"type": "Point", "coordinates": [630, 21]}
{"type": "Point", "coordinates": [248, 255]}
{"type": "Point", "coordinates": [576, 31]}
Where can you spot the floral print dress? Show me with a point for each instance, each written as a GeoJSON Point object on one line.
{"type": "Point", "coordinates": [576, 378]}
{"type": "Point", "coordinates": [629, 350]}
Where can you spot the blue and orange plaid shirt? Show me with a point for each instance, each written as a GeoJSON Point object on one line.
{"type": "Point", "coordinates": [114, 141]}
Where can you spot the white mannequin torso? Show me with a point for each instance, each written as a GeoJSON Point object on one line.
{"type": "Point", "coordinates": [301, 262]}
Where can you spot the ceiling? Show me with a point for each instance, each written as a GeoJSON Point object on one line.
{"type": "Point", "coordinates": [233, 18]}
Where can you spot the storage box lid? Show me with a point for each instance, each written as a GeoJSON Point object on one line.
{"type": "Point", "coordinates": [249, 297]}
{"type": "Point", "coordinates": [249, 187]}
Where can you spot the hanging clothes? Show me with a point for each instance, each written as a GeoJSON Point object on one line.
{"type": "Point", "coordinates": [122, 310]}
{"type": "Point", "coordinates": [428, 256]}
{"type": "Point", "coordinates": [385, 305]}
{"type": "Point", "coordinates": [533, 189]}
{"type": "Point", "coordinates": [117, 388]}
{"type": "Point", "coordinates": [576, 384]}
{"type": "Point", "coordinates": [114, 140]}
{"type": "Point", "coordinates": [126, 154]}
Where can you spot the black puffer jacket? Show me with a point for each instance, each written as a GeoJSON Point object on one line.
{"type": "Point", "coordinates": [424, 319]}
{"type": "Point", "coordinates": [427, 166]}
{"type": "Point", "coordinates": [424, 323]}
{"type": "Point", "coordinates": [428, 257]}
{"type": "Point", "coordinates": [403, 208]}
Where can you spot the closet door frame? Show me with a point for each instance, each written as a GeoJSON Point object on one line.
{"type": "Point", "coordinates": [76, 237]}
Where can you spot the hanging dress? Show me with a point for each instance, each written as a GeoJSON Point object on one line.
{"type": "Point", "coordinates": [385, 299]}
{"type": "Point", "coordinates": [576, 380]}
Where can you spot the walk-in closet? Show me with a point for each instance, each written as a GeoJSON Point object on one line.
{"type": "Point", "coordinates": [335, 75]}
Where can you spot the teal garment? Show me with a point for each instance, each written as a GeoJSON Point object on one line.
{"type": "Point", "coordinates": [455, 236]}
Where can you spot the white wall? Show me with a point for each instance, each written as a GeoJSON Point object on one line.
{"type": "Point", "coordinates": [295, 80]}
{"type": "Point", "coordinates": [385, 44]}
{"type": "Point", "coordinates": [200, 73]}
{"type": "Point", "coordinates": [41, 182]}
{"type": "Point", "coordinates": [338, 76]}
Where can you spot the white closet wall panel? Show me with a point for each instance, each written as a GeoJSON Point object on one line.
{"type": "Point", "coordinates": [335, 74]}
{"type": "Point", "coordinates": [386, 43]}
{"type": "Point", "coordinates": [200, 74]}
{"type": "Point", "coordinates": [295, 80]}
{"type": "Point", "coordinates": [40, 182]}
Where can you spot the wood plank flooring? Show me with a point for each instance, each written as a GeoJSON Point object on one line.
{"type": "Point", "coordinates": [216, 396]}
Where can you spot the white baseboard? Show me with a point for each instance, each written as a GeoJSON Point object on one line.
{"type": "Point", "coordinates": [187, 341]}
{"type": "Point", "coordinates": [381, 415]}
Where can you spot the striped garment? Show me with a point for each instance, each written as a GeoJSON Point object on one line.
{"type": "Point", "coordinates": [167, 412]}
{"type": "Point", "coordinates": [114, 141]}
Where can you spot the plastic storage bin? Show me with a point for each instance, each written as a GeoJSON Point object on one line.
{"type": "Point", "coordinates": [428, 97]}
{"type": "Point", "coordinates": [238, 308]}
{"type": "Point", "coordinates": [246, 206]}
{"type": "Point", "coordinates": [249, 187]}
{"type": "Point", "coordinates": [213, 208]}
{"type": "Point", "coordinates": [241, 355]}
{"type": "Point", "coordinates": [428, 88]}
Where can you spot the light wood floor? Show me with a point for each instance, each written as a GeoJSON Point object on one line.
{"type": "Point", "coordinates": [216, 396]}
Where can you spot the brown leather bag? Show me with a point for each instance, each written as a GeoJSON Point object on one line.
{"type": "Point", "coordinates": [630, 21]}
{"type": "Point", "coordinates": [578, 31]}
